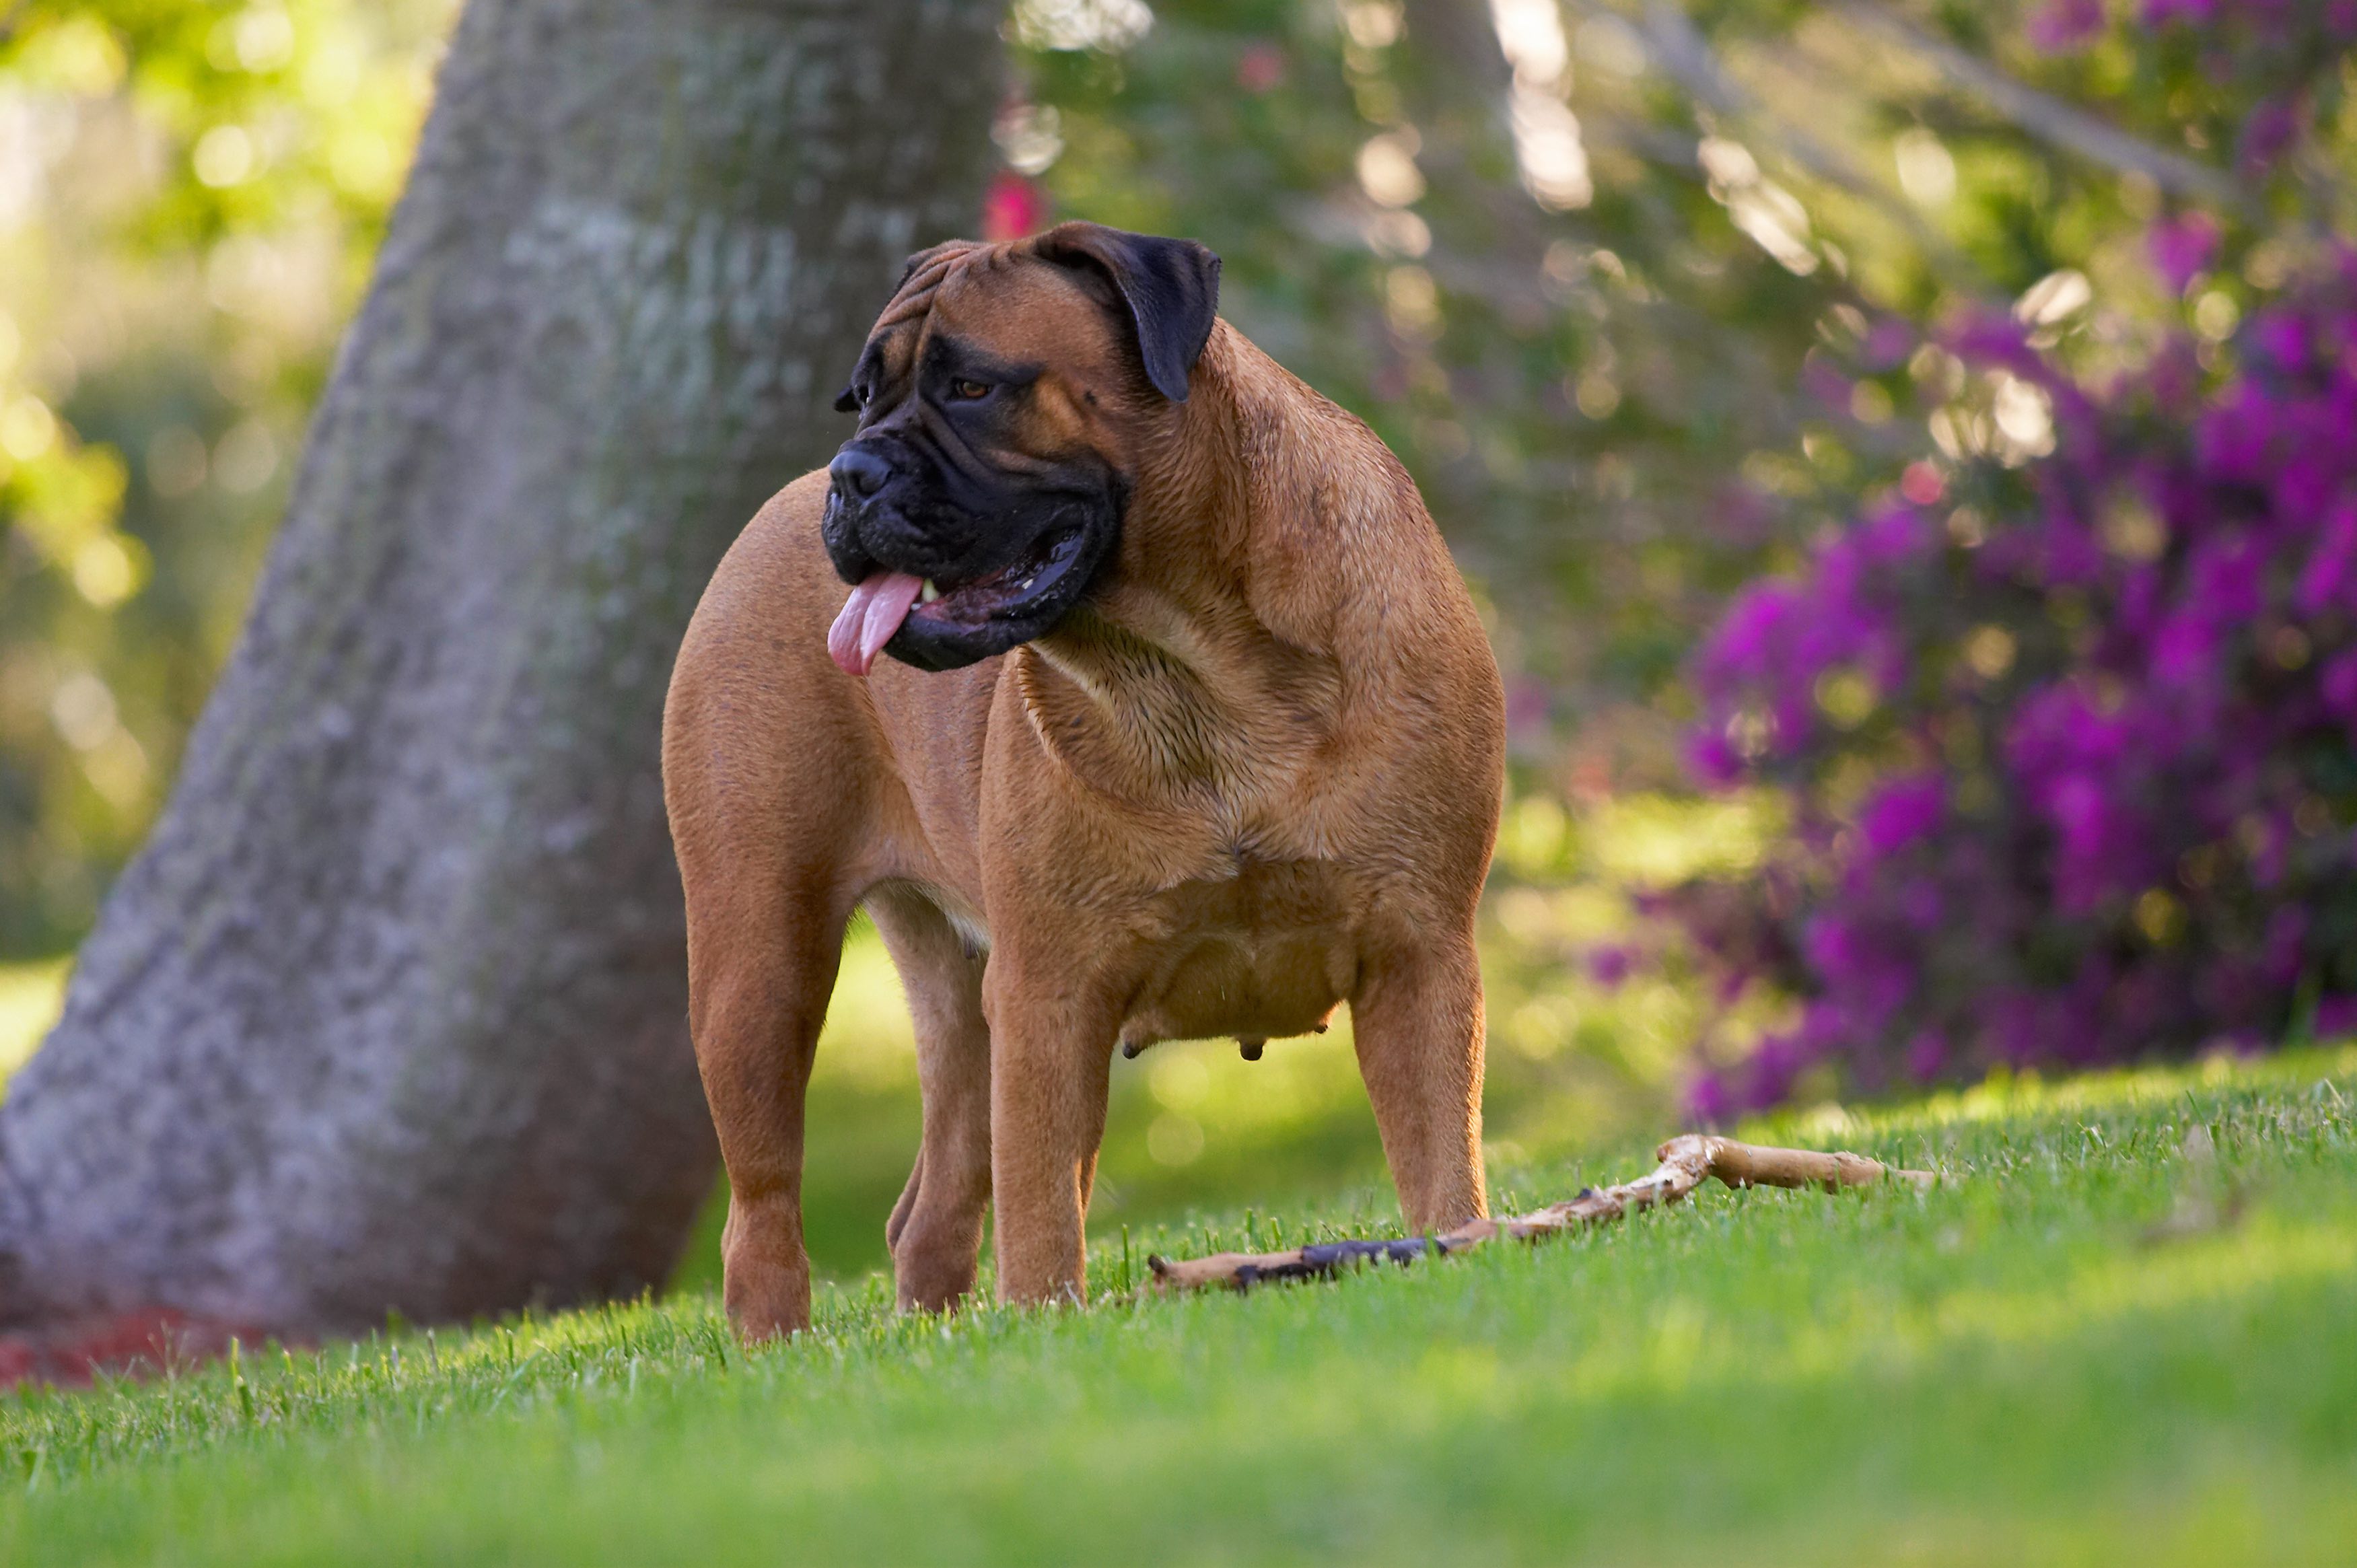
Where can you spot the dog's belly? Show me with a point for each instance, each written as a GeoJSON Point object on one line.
{"type": "Point", "coordinates": [1260, 955]}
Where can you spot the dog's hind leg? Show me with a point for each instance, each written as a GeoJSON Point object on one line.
{"type": "Point", "coordinates": [935, 1232]}
{"type": "Point", "coordinates": [1416, 1021]}
{"type": "Point", "coordinates": [762, 964]}
{"type": "Point", "coordinates": [769, 782]}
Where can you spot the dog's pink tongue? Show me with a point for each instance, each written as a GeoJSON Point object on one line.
{"type": "Point", "coordinates": [870, 617]}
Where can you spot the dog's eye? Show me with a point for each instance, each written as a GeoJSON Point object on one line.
{"type": "Point", "coordinates": [965, 390]}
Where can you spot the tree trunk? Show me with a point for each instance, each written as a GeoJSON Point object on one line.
{"type": "Point", "coordinates": [390, 1011]}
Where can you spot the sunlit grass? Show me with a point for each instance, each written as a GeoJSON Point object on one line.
{"type": "Point", "coordinates": [2022, 1094]}
{"type": "Point", "coordinates": [2026, 1364]}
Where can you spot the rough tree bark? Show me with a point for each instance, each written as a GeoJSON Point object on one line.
{"type": "Point", "coordinates": [390, 1011]}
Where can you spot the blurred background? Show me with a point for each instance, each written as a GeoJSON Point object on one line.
{"type": "Point", "coordinates": [1654, 298]}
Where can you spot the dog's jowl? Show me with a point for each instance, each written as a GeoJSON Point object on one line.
{"type": "Point", "coordinates": [1126, 682]}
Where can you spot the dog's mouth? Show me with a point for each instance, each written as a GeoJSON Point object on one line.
{"type": "Point", "coordinates": [937, 623]}
{"type": "Point", "coordinates": [1010, 591]}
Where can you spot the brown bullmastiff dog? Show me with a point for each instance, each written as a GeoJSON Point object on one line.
{"type": "Point", "coordinates": [1188, 729]}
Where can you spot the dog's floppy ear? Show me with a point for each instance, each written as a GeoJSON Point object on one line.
{"type": "Point", "coordinates": [1171, 287]}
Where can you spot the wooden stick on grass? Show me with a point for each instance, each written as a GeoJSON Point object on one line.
{"type": "Point", "coordinates": [1686, 1162]}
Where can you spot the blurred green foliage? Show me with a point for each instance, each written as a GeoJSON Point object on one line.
{"type": "Point", "coordinates": [190, 196]}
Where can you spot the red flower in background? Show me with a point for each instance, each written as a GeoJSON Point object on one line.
{"type": "Point", "coordinates": [1261, 67]}
{"type": "Point", "coordinates": [1013, 207]}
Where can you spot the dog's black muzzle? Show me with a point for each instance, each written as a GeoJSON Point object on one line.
{"type": "Point", "coordinates": [1002, 562]}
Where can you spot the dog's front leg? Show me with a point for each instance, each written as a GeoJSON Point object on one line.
{"type": "Point", "coordinates": [1416, 1020]}
{"type": "Point", "coordinates": [1050, 1048]}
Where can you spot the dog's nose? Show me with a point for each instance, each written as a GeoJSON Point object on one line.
{"type": "Point", "coordinates": [857, 472]}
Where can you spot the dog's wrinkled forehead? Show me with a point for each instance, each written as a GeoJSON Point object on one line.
{"type": "Point", "coordinates": [921, 286]}
{"type": "Point", "coordinates": [1004, 300]}
{"type": "Point", "coordinates": [1080, 297]}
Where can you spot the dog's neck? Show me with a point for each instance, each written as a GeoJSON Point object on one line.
{"type": "Point", "coordinates": [1166, 685]}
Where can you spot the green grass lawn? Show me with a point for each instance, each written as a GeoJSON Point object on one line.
{"type": "Point", "coordinates": [2089, 1345]}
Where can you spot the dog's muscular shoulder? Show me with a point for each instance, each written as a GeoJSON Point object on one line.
{"type": "Point", "coordinates": [763, 734]}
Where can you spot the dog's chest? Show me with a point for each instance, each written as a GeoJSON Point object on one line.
{"type": "Point", "coordinates": [1260, 954]}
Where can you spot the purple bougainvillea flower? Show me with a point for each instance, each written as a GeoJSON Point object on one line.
{"type": "Point", "coordinates": [1888, 342]}
{"type": "Point", "coordinates": [2061, 25]}
{"type": "Point", "coordinates": [2282, 337]}
{"type": "Point", "coordinates": [1711, 758]}
{"type": "Point", "coordinates": [2267, 134]}
{"type": "Point", "coordinates": [1903, 811]}
{"type": "Point", "coordinates": [1610, 966]}
{"type": "Point", "coordinates": [1992, 338]}
{"type": "Point", "coordinates": [2103, 806]}
{"type": "Point", "coordinates": [2335, 1015]}
{"type": "Point", "coordinates": [1834, 948]}
{"type": "Point", "coordinates": [2328, 580]}
{"type": "Point", "coordinates": [1709, 1101]}
{"type": "Point", "coordinates": [2181, 247]}
{"type": "Point", "coordinates": [2338, 686]}
{"type": "Point", "coordinates": [1752, 622]}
